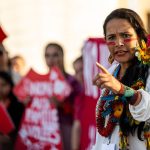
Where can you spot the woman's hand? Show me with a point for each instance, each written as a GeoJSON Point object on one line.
{"type": "Point", "coordinates": [55, 101]}
{"type": "Point", "coordinates": [106, 80]}
{"type": "Point", "coordinates": [27, 100]}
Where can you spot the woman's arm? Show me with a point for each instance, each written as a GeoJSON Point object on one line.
{"type": "Point", "coordinates": [141, 111]}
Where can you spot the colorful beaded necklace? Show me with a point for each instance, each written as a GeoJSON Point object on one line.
{"type": "Point", "coordinates": [107, 106]}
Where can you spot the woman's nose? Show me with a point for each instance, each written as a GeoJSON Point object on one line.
{"type": "Point", "coordinates": [119, 42]}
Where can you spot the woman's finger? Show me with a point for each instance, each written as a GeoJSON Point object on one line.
{"type": "Point", "coordinates": [104, 70]}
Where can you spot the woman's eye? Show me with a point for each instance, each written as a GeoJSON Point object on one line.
{"type": "Point", "coordinates": [111, 38]}
{"type": "Point", "coordinates": [126, 35]}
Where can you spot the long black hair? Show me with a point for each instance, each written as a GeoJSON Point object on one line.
{"type": "Point", "coordinates": [7, 78]}
{"type": "Point", "coordinates": [136, 70]}
{"type": "Point", "coordinates": [15, 108]}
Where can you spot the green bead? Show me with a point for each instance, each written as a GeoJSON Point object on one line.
{"type": "Point", "coordinates": [128, 92]}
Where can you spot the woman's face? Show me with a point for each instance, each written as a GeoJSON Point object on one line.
{"type": "Point", "coordinates": [121, 39]}
{"type": "Point", "coordinates": [53, 57]}
{"type": "Point", "coordinates": [5, 88]}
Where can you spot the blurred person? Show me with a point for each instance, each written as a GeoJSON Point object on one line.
{"type": "Point", "coordinates": [84, 128]}
{"type": "Point", "coordinates": [13, 106]}
{"type": "Point", "coordinates": [78, 68]}
{"type": "Point", "coordinates": [54, 56]}
{"type": "Point", "coordinates": [18, 64]}
{"type": "Point", "coordinates": [76, 129]}
{"type": "Point", "coordinates": [3, 53]}
{"type": "Point", "coordinates": [40, 93]}
{"type": "Point", "coordinates": [5, 64]}
{"type": "Point", "coordinates": [4, 61]}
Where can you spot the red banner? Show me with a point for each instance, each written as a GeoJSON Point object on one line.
{"type": "Point", "coordinates": [94, 50]}
{"type": "Point", "coordinates": [40, 128]}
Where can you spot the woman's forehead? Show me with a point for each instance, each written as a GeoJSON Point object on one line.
{"type": "Point", "coordinates": [118, 26]}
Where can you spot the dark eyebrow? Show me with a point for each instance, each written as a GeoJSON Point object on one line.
{"type": "Point", "coordinates": [125, 32]}
{"type": "Point", "coordinates": [110, 35]}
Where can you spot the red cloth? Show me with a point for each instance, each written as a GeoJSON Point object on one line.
{"type": "Point", "coordinates": [2, 35]}
{"type": "Point", "coordinates": [6, 123]}
{"type": "Point", "coordinates": [40, 126]}
{"type": "Point", "coordinates": [94, 50]}
{"type": "Point", "coordinates": [58, 86]}
{"type": "Point", "coordinates": [85, 113]}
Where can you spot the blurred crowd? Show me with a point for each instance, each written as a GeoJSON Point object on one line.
{"type": "Point", "coordinates": [69, 110]}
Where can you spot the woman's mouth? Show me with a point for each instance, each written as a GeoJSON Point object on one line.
{"type": "Point", "coordinates": [120, 52]}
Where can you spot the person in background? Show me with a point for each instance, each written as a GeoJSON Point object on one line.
{"type": "Point", "coordinates": [13, 106]}
{"type": "Point", "coordinates": [76, 129]}
{"type": "Point", "coordinates": [78, 68]}
{"type": "Point", "coordinates": [5, 64]}
{"type": "Point", "coordinates": [4, 61]}
{"type": "Point", "coordinates": [4, 58]}
{"type": "Point", "coordinates": [18, 64]}
{"type": "Point", "coordinates": [54, 56]}
{"type": "Point", "coordinates": [122, 112]}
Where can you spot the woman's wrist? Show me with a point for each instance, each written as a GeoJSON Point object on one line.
{"type": "Point", "coordinates": [136, 99]}
{"type": "Point", "coordinates": [126, 91]}
{"type": "Point", "coordinates": [122, 90]}
{"type": "Point", "coordinates": [133, 96]}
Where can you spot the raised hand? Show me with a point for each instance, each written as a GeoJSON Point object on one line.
{"type": "Point", "coordinates": [106, 80]}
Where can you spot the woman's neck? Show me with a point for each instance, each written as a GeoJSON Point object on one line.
{"type": "Point", "coordinates": [123, 70]}
{"type": "Point", "coordinates": [61, 69]}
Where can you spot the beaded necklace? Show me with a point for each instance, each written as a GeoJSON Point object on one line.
{"type": "Point", "coordinates": [108, 107]}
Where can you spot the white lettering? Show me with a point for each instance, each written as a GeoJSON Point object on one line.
{"type": "Point", "coordinates": [40, 134]}
{"type": "Point", "coordinates": [44, 117]}
{"type": "Point", "coordinates": [40, 88]}
{"type": "Point", "coordinates": [40, 103]}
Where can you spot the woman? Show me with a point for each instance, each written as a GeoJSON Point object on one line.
{"type": "Point", "coordinates": [5, 64]}
{"type": "Point", "coordinates": [13, 106]}
{"type": "Point", "coordinates": [54, 56]}
{"type": "Point", "coordinates": [122, 114]}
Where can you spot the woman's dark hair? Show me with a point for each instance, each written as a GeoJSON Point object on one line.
{"type": "Point", "coordinates": [132, 17]}
{"type": "Point", "coordinates": [80, 59]}
{"type": "Point", "coordinates": [136, 70]}
{"type": "Point", "coordinates": [6, 76]}
{"type": "Point", "coordinates": [15, 108]}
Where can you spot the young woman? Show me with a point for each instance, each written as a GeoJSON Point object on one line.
{"type": "Point", "coordinates": [13, 106]}
{"type": "Point", "coordinates": [54, 56]}
{"type": "Point", "coordinates": [122, 113]}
